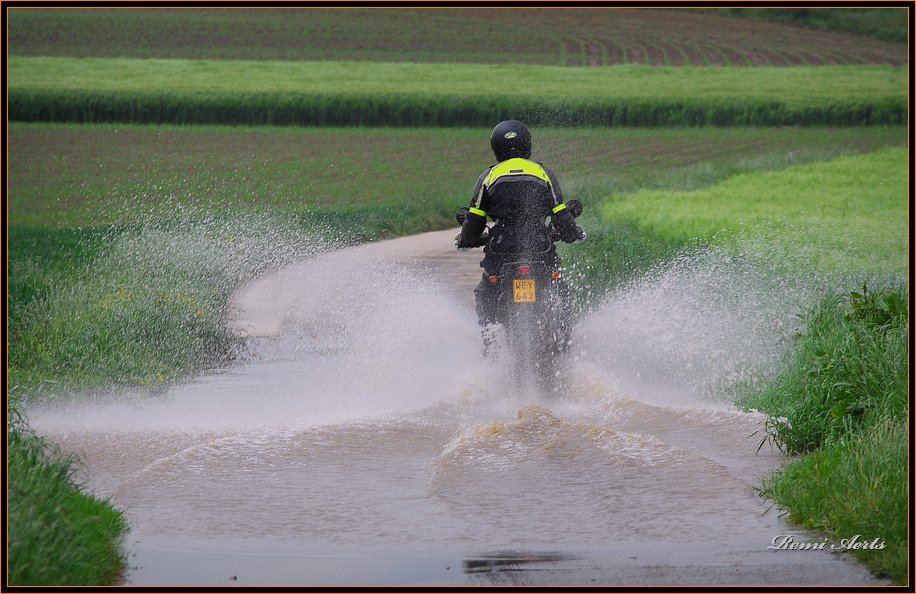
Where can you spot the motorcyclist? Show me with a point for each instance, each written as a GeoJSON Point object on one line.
{"type": "Point", "coordinates": [518, 194]}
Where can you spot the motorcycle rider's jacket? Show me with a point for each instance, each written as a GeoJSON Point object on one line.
{"type": "Point", "coordinates": [519, 195]}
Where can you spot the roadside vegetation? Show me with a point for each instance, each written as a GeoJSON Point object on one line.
{"type": "Point", "coordinates": [125, 241]}
{"type": "Point", "coordinates": [841, 403]}
{"type": "Point", "coordinates": [58, 534]}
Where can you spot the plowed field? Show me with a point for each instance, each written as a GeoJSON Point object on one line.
{"type": "Point", "coordinates": [572, 37]}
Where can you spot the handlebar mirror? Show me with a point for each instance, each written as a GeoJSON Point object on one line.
{"type": "Point", "coordinates": [575, 208]}
{"type": "Point", "coordinates": [461, 214]}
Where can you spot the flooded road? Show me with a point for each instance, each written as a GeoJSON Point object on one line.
{"type": "Point", "coordinates": [365, 442]}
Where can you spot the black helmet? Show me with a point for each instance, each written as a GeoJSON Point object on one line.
{"type": "Point", "coordinates": [509, 139]}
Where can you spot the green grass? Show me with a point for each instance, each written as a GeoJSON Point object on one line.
{"type": "Point", "coordinates": [57, 533]}
{"type": "Point", "coordinates": [151, 307]}
{"type": "Point", "coordinates": [843, 400]}
{"type": "Point", "coordinates": [855, 487]}
{"type": "Point", "coordinates": [844, 216]}
{"type": "Point", "coordinates": [405, 94]}
{"type": "Point", "coordinates": [850, 368]}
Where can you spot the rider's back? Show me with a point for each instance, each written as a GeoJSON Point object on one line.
{"type": "Point", "coordinates": [519, 195]}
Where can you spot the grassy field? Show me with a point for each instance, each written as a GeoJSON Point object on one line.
{"type": "Point", "coordinates": [67, 176]}
{"type": "Point", "coordinates": [845, 216]}
{"type": "Point", "coordinates": [560, 37]}
{"type": "Point", "coordinates": [362, 93]}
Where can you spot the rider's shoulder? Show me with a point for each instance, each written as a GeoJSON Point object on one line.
{"type": "Point", "coordinates": [539, 164]}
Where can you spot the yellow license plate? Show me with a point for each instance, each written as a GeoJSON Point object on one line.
{"type": "Point", "coordinates": [523, 290]}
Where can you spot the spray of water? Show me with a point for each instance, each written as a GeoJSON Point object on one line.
{"type": "Point", "coordinates": [153, 306]}
{"type": "Point", "coordinates": [690, 328]}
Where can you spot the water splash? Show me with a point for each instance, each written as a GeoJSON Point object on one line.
{"type": "Point", "coordinates": [153, 305]}
{"type": "Point", "coordinates": [701, 327]}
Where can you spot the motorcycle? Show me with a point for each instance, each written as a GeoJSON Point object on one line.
{"type": "Point", "coordinates": [532, 309]}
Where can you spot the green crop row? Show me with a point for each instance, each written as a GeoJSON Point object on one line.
{"type": "Point", "coordinates": [420, 110]}
{"type": "Point", "coordinates": [376, 94]}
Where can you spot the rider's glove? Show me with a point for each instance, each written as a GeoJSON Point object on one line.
{"type": "Point", "coordinates": [462, 246]}
{"type": "Point", "coordinates": [480, 242]}
{"type": "Point", "coordinates": [582, 235]}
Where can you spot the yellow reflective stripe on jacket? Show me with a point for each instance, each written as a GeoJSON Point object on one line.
{"type": "Point", "coordinates": [516, 166]}
{"type": "Point", "coordinates": [477, 212]}
{"type": "Point", "coordinates": [558, 208]}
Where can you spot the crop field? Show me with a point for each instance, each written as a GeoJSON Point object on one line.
{"type": "Point", "coordinates": [70, 175]}
{"type": "Point", "coordinates": [364, 93]}
{"type": "Point", "coordinates": [879, 23]}
{"type": "Point", "coordinates": [561, 37]}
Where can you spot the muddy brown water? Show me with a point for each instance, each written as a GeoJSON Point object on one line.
{"type": "Point", "coordinates": [365, 442]}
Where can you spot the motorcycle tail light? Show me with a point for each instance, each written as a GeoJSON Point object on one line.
{"type": "Point", "coordinates": [556, 275]}
{"type": "Point", "coordinates": [523, 270]}
{"type": "Point", "coordinates": [492, 279]}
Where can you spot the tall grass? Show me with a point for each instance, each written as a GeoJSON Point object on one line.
{"type": "Point", "coordinates": [843, 400]}
{"type": "Point", "coordinates": [277, 109]}
{"type": "Point", "coordinates": [58, 535]}
{"type": "Point", "coordinates": [850, 369]}
{"type": "Point", "coordinates": [381, 94]}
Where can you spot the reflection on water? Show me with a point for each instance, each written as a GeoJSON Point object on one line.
{"type": "Point", "coordinates": [510, 568]}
